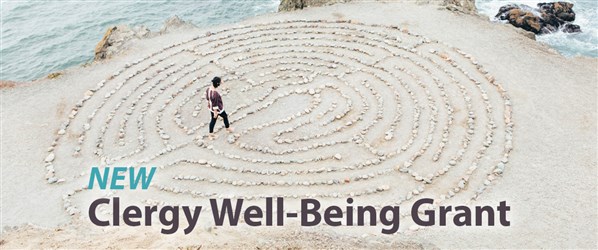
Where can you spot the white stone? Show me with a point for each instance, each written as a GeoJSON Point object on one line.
{"type": "Point", "coordinates": [50, 157]}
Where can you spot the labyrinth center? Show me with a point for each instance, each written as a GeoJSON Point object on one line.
{"type": "Point", "coordinates": [321, 109]}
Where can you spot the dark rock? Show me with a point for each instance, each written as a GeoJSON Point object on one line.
{"type": "Point", "coordinates": [571, 28]}
{"type": "Point", "coordinates": [562, 10]}
{"type": "Point", "coordinates": [520, 16]}
{"type": "Point", "coordinates": [547, 18]}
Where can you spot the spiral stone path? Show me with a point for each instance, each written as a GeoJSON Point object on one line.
{"type": "Point", "coordinates": [320, 109]}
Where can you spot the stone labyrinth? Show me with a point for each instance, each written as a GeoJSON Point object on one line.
{"type": "Point", "coordinates": [320, 109]}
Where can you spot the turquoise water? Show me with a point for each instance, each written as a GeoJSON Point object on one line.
{"type": "Point", "coordinates": [578, 44]}
{"type": "Point", "coordinates": [40, 37]}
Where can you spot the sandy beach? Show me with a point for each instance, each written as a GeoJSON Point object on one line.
{"type": "Point", "coordinates": [383, 102]}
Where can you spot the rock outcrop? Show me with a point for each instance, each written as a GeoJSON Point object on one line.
{"type": "Point", "coordinates": [290, 5]}
{"type": "Point", "coordinates": [175, 23]}
{"type": "Point", "coordinates": [546, 18]}
{"type": "Point", "coordinates": [116, 37]}
{"type": "Point", "coordinates": [6, 84]}
{"type": "Point", "coordinates": [102, 47]}
{"type": "Point", "coordinates": [461, 5]}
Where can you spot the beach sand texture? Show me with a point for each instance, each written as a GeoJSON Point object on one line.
{"type": "Point", "coordinates": [384, 102]}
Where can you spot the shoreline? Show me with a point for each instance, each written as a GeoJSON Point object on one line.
{"type": "Point", "coordinates": [174, 23]}
{"type": "Point", "coordinates": [554, 111]}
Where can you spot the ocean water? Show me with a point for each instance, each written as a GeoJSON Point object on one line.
{"type": "Point", "coordinates": [40, 37]}
{"type": "Point", "coordinates": [568, 44]}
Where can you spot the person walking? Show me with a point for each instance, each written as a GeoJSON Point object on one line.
{"type": "Point", "coordinates": [216, 107]}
